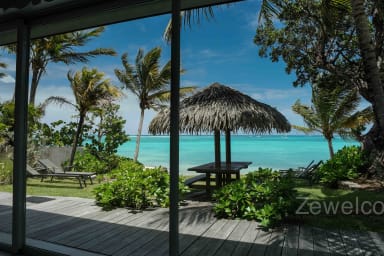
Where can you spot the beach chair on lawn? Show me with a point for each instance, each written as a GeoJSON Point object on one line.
{"type": "Point", "coordinates": [189, 182]}
{"type": "Point", "coordinates": [53, 168]}
{"type": "Point", "coordinates": [38, 172]}
{"type": "Point", "coordinates": [309, 171]}
{"type": "Point", "coordinates": [303, 172]}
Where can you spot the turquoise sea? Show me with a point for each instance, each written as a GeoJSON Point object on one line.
{"type": "Point", "coordinates": [273, 151]}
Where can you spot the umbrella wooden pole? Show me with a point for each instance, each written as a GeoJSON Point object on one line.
{"type": "Point", "coordinates": [228, 146]}
{"type": "Point", "coordinates": [174, 132]}
{"type": "Point", "coordinates": [228, 152]}
{"type": "Point", "coordinates": [217, 158]}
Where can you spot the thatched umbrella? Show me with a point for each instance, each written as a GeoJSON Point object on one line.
{"type": "Point", "coordinates": [221, 108]}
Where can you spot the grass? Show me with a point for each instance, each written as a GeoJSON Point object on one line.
{"type": "Point", "coordinates": [339, 220]}
{"type": "Point", "coordinates": [70, 188]}
{"type": "Point", "coordinates": [58, 187]}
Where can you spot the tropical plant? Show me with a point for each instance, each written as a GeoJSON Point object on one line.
{"type": "Point", "coordinates": [263, 195]}
{"type": "Point", "coordinates": [372, 53]}
{"type": "Point", "coordinates": [132, 186]}
{"type": "Point", "coordinates": [189, 17]}
{"type": "Point", "coordinates": [148, 82]}
{"type": "Point", "coordinates": [333, 111]}
{"type": "Point", "coordinates": [60, 133]}
{"type": "Point", "coordinates": [268, 9]}
{"type": "Point", "coordinates": [7, 119]}
{"type": "Point", "coordinates": [356, 56]}
{"type": "Point", "coordinates": [108, 134]}
{"type": "Point", "coordinates": [3, 65]}
{"type": "Point", "coordinates": [346, 164]}
{"type": "Point", "coordinates": [60, 48]}
{"type": "Point", "coordinates": [90, 89]}
{"type": "Point", "coordinates": [85, 161]}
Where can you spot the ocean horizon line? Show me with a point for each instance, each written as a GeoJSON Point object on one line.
{"type": "Point", "coordinates": [267, 151]}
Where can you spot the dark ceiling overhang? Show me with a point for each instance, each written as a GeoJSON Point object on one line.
{"type": "Point", "coordinates": [48, 17]}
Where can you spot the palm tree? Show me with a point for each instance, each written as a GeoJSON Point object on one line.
{"type": "Point", "coordinates": [148, 82]}
{"type": "Point", "coordinates": [90, 89]}
{"type": "Point", "coordinates": [3, 65]}
{"type": "Point", "coordinates": [333, 111]}
{"type": "Point", "coordinates": [60, 48]}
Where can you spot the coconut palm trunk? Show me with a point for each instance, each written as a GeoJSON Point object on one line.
{"type": "Point", "coordinates": [369, 59]}
{"type": "Point", "coordinates": [330, 147]}
{"type": "Point", "coordinates": [373, 142]}
{"type": "Point", "coordinates": [36, 75]}
{"type": "Point", "coordinates": [138, 137]}
{"type": "Point", "coordinates": [76, 138]}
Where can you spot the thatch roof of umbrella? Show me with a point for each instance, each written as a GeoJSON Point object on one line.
{"type": "Point", "coordinates": [220, 107]}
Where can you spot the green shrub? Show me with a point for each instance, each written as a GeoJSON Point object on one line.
{"type": "Point", "coordinates": [6, 172]}
{"type": "Point", "coordinates": [263, 195]}
{"type": "Point", "coordinates": [86, 162]}
{"type": "Point", "coordinates": [132, 186]}
{"type": "Point", "coordinates": [345, 165]}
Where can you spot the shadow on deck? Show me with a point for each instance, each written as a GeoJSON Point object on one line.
{"type": "Point", "coordinates": [77, 224]}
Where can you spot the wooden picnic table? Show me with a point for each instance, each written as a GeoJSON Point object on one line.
{"type": "Point", "coordinates": [223, 173]}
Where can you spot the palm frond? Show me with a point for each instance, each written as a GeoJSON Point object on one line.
{"type": "Point", "coordinates": [360, 118]}
{"type": "Point", "coordinates": [308, 114]}
{"type": "Point", "coordinates": [304, 129]}
{"type": "Point", "coordinates": [190, 17]}
{"type": "Point", "coordinates": [269, 9]}
{"type": "Point", "coordinates": [56, 100]}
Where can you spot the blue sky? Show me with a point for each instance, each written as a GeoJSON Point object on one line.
{"type": "Point", "coordinates": [220, 50]}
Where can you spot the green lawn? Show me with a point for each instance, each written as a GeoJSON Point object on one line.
{"type": "Point", "coordinates": [350, 219]}
{"type": "Point", "coordinates": [58, 187]}
{"type": "Point", "coordinates": [372, 222]}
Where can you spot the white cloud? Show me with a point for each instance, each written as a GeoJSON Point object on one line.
{"type": "Point", "coordinates": [208, 53]}
{"type": "Point", "coordinates": [7, 79]}
{"type": "Point", "coordinates": [253, 20]}
{"type": "Point", "coordinates": [129, 108]}
{"type": "Point", "coordinates": [279, 94]}
{"type": "Point", "coordinates": [10, 61]}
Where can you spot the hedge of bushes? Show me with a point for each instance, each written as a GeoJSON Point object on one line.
{"type": "Point", "coordinates": [130, 185]}
{"type": "Point", "coordinates": [346, 164]}
{"type": "Point", "coordinates": [263, 195]}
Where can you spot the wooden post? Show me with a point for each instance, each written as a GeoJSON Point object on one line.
{"type": "Point", "coordinates": [20, 137]}
{"type": "Point", "coordinates": [228, 154]}
{"type": "Point", "coordinates": [174, 132]}
{"type": "Point", "coordinates": [218, 159]}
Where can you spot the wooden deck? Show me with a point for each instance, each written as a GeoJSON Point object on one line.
{"type": "Point", "coordinates": [80, 224]}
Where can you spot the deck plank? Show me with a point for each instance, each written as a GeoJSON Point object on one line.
{"type": "Point", "coordinates": [205, 239]}
{"type": "Point", "coordinates": [248, 238]}
{"type": "Point", "coordinates": [260, 244]}
{"type": "Point", "coordinates": [219, 238]}
{"type": "Point", "coordinates": [367, 243]}
{"type": "Point", "coordinates": [233, 239]}
{"type": "Point", "coordinates": [80, 224]}
{"type": "Point", "coordinates": [305, 241]}
{"type": "Point", "coordinates": [352, 246]}
{"type": "Point", "coordinates": [137, 236]}
{"type": "Point", "coordinates": [291, 241]}
{"type": "Point", "coordinates": [335, 243]}
{"type": "Point", "coordinates": [320, 242]}
{"type": "Point", "coordinates": [276, 242]}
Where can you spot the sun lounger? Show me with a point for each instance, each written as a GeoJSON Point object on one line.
{"type": "Point", "coordinates": [53, 168]}
{"type": "Point", "coordinates": [189, 182]}
{"type": "Point", "coordinates": [37, 172]}
{"type": "Point", "coordinates": [305, 172]}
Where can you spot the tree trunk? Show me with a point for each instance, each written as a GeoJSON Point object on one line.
{"type": "Point", "coordinates": [139, 135]}
{"type": "Point", "coordinates": [373, 145]}
{"type": "Point", "coordinates": [373, 142]}
{"type": "Point", "coordinates": [76, 138]}
{"type": "Point", "coordinates": [36, 75]}
{"type": "Point", "coordinates": [330, 147]}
